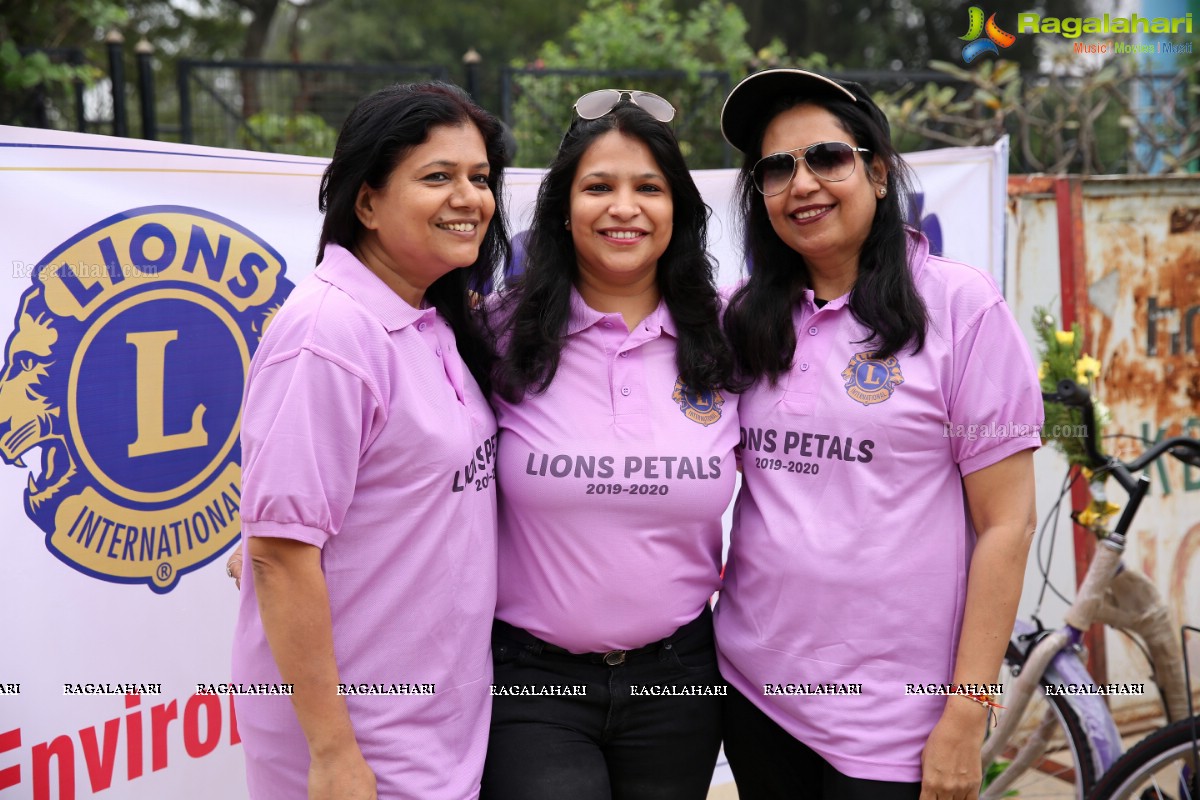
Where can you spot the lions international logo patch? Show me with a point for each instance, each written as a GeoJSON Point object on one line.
{"type": "Point", "coordinates": [871, 380]}
{"type": "Point", "coordinates": [701, 407]}
{"type": "Point", "coordinates": [125, 368]}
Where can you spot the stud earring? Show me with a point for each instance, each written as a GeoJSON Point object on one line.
{"type": "Point", "coordinates": [882, 193]}
{"type": "Point", "coordinates": [567, 224]}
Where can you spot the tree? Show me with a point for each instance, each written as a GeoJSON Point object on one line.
{"type": "Point", "coordinates": [884, 34]}
{"type": "Point", "coordinates": [261, 13]}
{"type": "Point", "coordinates": [695, 52]}
{"type": "Point", "coordinates": [417, 32]}
{"type": "Point", "coordinates": [29, 77]}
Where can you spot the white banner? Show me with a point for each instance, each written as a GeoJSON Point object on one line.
{"type": "Point", "coordinates": [141, 277]}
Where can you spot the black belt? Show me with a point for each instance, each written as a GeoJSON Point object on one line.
{"type": "Point", "coordinates": [612, 658]}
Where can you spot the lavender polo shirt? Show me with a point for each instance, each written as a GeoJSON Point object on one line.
{"type": "Point", "coordinates": [364, 434]}
{"type": "Point", "coordinates": [851, 537]}
{"type": "Point", "coordinates": [612, 486]}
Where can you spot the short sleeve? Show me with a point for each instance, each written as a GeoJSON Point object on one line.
{"type": "Point", "coordinates": [996, 401]}
{"type": "Point", "coordinates": [305, 425]}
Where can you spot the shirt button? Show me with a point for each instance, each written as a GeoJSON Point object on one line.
{"type": "Point", "coordinates": [624, 354]}
{"type": "Point", "coordinates": [438, 351]}
{"type": "Point", "coordinates": [607, 324]}
{"type": "Point", "coordinates": [812, 331]}
{"type": "Point", "coordinates": [421, 326]}
{"type": "Point", "coordinates": [625, 391]}
{"type": "Point", "coordinates": [804, 366]}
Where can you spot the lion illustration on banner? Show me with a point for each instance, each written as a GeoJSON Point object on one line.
{"type": "Point", "coordinates": [29, 413]}
{"type": "Point", "coordinates": [125, 369]}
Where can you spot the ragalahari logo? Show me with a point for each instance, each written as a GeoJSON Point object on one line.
{"type": "Point", "coordinates": [996, 38]}
{"type": "Point", "coordinates": [125, 367]}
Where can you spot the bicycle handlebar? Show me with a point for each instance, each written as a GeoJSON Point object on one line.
{"type": "Point", "coordinates": [1070, 393]}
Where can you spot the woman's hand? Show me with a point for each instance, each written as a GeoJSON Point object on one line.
{"type": "Point", "coordinates": [341, 776]}
{"type": "Point", "coordinates": [950, 766]}
{"type": "Point", "coordinates": [233, 565]}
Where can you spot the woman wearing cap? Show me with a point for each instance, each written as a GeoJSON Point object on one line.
{"type": "Point", "coordinates": [871, 549]}
{"type": "Point", "coordinates": [373, 579]}
{"type": "Point", "coordinates": [616, 463]}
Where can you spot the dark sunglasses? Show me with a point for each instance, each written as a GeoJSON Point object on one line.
{"type": "Point", "coordinates": [829, 161]}
{"type": "Point", "coordinates": [594, 105]}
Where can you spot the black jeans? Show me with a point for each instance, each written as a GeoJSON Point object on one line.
{"type": "Point", "coordinates": [616, 741]}
{"type": "Point", "coordinates": [768, 763]}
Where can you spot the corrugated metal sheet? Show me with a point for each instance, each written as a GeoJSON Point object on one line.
{"type": "Point", "coordinates": [1137, 296]}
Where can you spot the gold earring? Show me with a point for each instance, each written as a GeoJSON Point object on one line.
{"type": "Point", "coordinates": [883, 193]}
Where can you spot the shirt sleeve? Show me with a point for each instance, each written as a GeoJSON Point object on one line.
{"type": "Point", "coordinates": [305, 425]}
{"type": "Point", "coordinates": [996, 401]}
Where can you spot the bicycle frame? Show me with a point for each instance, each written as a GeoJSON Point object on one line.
{"type": "Point", "coordinates": [1054, 658]}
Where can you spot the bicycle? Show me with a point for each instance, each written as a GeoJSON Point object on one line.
{"type": "Point", "coordinates": [1164, 761]}
{"type": "Point", "coordinates": [1036, 723]}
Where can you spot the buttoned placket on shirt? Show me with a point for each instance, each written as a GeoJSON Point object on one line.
{"type": "Point", "coordinates": [438, 335]}
{"type": "Point", "coordinates": [628, 389]}
{"type": "Point", "coordinates": [816, 336]}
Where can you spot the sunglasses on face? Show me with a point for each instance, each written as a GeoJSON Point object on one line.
{"type": "Point", "coordinates": [594, 105]}
{"type": "Point", "coordinates": [829, 161]}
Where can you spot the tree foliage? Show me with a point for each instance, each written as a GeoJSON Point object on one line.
{"type": "Point", "coordinates": [419, 32]}
{"type": "Point", "coordinates": [694, 53]}
{"type": "Point", "coordinates": [884, 34]}
{"type": "Point", "coordinates": [28, 76]}
{"type": "Point", "coordinates": [651, 34]}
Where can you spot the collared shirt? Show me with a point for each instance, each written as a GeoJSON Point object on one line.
{"type": "Point", "coordinates": [612, 486]}
{"type": "Point", "coordinates": [851, 537]}
{"type": "Point", "coordinates": [365, 435]}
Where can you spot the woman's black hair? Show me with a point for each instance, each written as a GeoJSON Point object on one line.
{"type": "Point", "coordinates": [378, 134]}
{"type": "Point", "coordinates": [535, 312]}
{"type": "Point", "coordinates": [884, 298]}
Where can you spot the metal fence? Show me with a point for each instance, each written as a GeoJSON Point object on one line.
{"type": "Point", "coordinates": [536, 104]}
{"type": "Point", "coordinates": [279, 106]}
{"type": "Point", "coordinates": [1088, 124]}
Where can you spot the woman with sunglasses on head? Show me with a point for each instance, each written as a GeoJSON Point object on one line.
{"type": "Point", "coordinates": [373, 565]}
{"type": "Point", "coordinates": [874, 548]}
{"type": "Point", "coordinates": [616, 463]}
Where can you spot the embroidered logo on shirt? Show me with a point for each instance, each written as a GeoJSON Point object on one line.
{"type": "Point", "coordinates": [702, 407]}
{"type": "Point", "coordinates": [125, 366]}
{"type": "Point", "coordinates": [871, 380]}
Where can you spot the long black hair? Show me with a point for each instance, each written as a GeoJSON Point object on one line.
{"type": "Point", "coordinates": [381, 130]}
{"type": "Point", "coordinates": [884, 298]}
{"type": "Point", "coordinates": [534, 314]}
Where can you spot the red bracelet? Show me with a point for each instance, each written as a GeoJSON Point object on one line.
{"type": "Point", "coordinates": [987, 701]}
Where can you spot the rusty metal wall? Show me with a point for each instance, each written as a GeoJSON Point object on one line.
{"type": "Point", "coordinates": [1122, 255]}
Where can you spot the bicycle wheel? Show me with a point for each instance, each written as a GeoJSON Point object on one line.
{"type": "Point", "coordinates": [1049, 755]}
{"type": "Point", "coordinates": [1160, 767]}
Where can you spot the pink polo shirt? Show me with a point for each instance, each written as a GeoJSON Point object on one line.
{"type": "Point", "coordinates": [851, 537]}
{"type": "Point", "coordinates": [612, 486]}
{"type": "Point", "coordinates": [364, 434]}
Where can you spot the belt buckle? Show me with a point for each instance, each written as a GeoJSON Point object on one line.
{"type": "Point", "coordinates": [615, 658]}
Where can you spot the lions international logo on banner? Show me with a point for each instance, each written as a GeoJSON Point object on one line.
{"type": "Point", "coordinates": [125, 367]}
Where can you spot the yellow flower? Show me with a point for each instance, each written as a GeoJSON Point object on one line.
{"type": "Point", "coordinates": [1096, 513]}
{"type": "Point", "coordinates": [1042, 370]}
{"type": "Point", "coordinates": [1065, 338]}
{"type": "Point", "coordinates": [1086, 367]}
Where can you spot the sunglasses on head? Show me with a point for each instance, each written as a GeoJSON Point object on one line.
{"type": "Point", "coordinates": [595, 105]}
{"type": "Point", "coordinates": [829, 161]}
